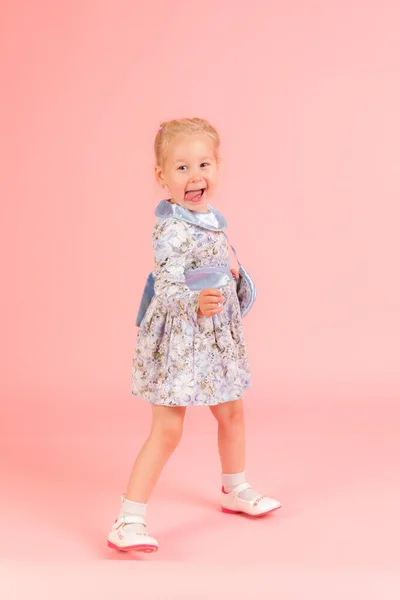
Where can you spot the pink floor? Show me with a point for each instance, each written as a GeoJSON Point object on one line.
{"type": "Point", "coordinates": [335, 470]}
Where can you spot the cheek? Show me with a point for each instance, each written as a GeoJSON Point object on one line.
{"type": "Point", "coordinates": [177, 181]}
{"type": "Point", "coordinates": [178, 188]}
{"type": "Point", "coordinates": [213, 179]}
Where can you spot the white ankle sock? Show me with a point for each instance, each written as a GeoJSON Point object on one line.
{"type": "Point", "coordinates": [129, 507]}
{"type": "Point", "coordinates": [232, 480]}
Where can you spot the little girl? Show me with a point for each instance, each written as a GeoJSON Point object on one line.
{"type": "Point", "coordinates": [190, 348]}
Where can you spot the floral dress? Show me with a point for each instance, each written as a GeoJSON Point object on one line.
{"type": "Point", "coordinates": [182, 359]}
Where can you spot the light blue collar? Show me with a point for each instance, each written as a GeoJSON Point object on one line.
{"type": "Point", "coordinates": [212, 220]}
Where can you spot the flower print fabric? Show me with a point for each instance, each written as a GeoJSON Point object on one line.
{"type": "Point", "coordinates": [182, 359]}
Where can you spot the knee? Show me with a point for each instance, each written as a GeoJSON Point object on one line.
{"type": "Point", "coordinates": [230, 416]}
{"type": "Point", "coordinates": [169, 433]}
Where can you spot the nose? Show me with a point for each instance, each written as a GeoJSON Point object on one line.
{"type": "Point", "coordinates": [195, 175]}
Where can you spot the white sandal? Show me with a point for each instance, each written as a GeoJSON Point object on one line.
{"type": "Point", "coordinates": [261, 505]}
{"type": "Point", "coordinates": [119, 539]}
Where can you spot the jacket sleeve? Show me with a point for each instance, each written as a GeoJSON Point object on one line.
{"type": "Point", "coordinates": [173, 244]}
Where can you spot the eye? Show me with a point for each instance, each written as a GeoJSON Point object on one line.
{"type": "Point", "coordinates": [182, 168]}
{"type": "Point", "coordinates": [205, 164]}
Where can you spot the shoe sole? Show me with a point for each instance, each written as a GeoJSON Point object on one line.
{"type": "Point", "coordinates": [235, 512]}
{"type": "Point", "coordinates": [138, 548]}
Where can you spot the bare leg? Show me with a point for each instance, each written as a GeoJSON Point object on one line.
{"type": "Point", "coordinates": [165, 435]}
{"type": "Point", "coordinates": [231, 435]}
{"type": "Point", "coordinates": [231, 444]}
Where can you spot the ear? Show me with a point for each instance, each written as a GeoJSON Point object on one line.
{"type": "Point", "coordinates": [159, 175]}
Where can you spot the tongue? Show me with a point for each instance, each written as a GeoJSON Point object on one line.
{"type": "Point", "coordinates": [193, 196]}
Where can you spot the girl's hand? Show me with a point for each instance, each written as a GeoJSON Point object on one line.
{"type": "Point", "coordinates": [208, 302]}
{"type": "Point", "coordinates": [235, 273]}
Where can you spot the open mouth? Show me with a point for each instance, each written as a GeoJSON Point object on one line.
{"type": "Point", "coordinates": [194, 195]}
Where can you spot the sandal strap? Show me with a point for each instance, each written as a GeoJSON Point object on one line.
{"type": "Point", "coordinates": [240, 488]}
{"type": "Point", "coordinates": [129, 520]}
{"type": "Point", "coordinates": [246, 486]}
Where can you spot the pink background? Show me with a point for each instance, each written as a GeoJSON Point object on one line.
{"type": "Point", "coordinates": [306, 98]}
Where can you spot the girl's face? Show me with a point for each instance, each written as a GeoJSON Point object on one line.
{"type": "Point", "coordinates": [190, 171]}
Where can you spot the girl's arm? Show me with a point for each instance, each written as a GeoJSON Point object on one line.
{"type": "Point", "coordinates": [173, 243]}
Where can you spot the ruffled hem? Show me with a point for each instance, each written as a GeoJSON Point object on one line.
{"type": "Point", "coordinates": [186, 404]}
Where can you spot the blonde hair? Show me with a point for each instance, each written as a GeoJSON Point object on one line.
{"type": "Point", "coordinates": [169, 129]}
